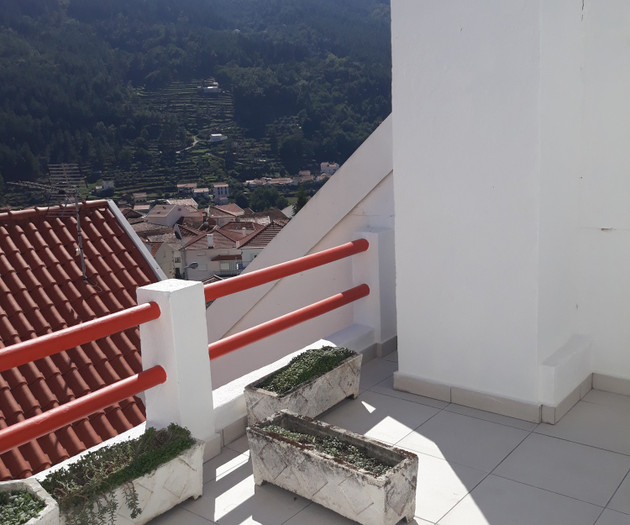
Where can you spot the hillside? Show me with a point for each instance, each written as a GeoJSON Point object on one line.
{"type": "Point", "coordinates": [113, 86]}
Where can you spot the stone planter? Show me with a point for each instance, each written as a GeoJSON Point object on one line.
{"type": "Point", "coordinates": [331, 482]}
{"type": "Point", "coordinates": [49, 515]}
{"type": "Point", "coordinates": [169, 485]}
{"type": "Point", "coordinates": [310, 398]}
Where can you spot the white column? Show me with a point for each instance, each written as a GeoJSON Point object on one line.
{"type": "Point", "coordinates": [375, 267]}
{"type": "Point", "coordinates": [178, 341]}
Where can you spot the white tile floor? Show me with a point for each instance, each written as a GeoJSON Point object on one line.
{"type": "Point", "coordinates": [474, 467]}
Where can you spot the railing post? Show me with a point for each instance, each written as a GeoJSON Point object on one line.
{"type": "Point", "coordinates": [376, 268]}
{"type": "Point", "coordinates": [178, 341]}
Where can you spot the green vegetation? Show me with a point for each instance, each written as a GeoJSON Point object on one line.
{"type": "Point", "coordinates": [84, 489]}
{"type": "Point", "coordinates": [17, 507]}
{"type": "Point", "coordinates": [113, 86]}
{"type": "Point", "coordinates": [308, 365]}
{"type": "Point", "coordinates": [334, 447]}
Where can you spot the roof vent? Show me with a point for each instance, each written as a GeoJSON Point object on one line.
{"type": "Point", "coordinates": [210, 238]}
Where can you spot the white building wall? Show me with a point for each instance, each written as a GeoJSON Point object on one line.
{"type": "Point", "coordinates": [604, 187]}
{"type": "Point", "coordinates": [465, 113]}
{"type": "Point", "coordinates": [510, 125]}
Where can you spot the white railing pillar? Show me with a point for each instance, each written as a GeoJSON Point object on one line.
{"type": "Point", "coordinates": [377, 268]}
{"type": "Point", "coordinates": [178, 341]}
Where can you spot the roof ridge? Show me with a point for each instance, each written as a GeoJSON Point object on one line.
{"type": "Point", "coordinates": [42, 210]}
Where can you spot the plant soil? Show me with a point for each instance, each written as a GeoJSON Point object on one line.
{"type": "Point", "coordinates": [334, 447]}
{"type": "Point", "coordinates": [308, 365]}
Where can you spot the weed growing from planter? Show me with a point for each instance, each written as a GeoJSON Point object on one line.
{"type": "Point", "coordinates": [334, 447]}
{"type": "Point", "coordinates": [84, 490]}
{"type": "Point", "coordinates": [19, 506]}
{"type": "Point", "coordinates": [308, 365]}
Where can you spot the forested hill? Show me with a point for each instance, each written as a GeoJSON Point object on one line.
{"type": "Point", "coordinates": [306, 80]}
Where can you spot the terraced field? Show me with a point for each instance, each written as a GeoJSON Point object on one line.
{"type": "Point", "coordinates": [195, 158]}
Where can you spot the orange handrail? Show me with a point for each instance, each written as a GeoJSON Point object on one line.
{"type": "Point", "coordinates": [250, 280]}
{"type": "Point", "coordinates": [42, 424]}
{"type": "Point", "coordinates": [234, 342]}
{"type": "Point", "coordinates": [49, 344]}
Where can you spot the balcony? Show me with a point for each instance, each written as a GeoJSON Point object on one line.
{"type": "Point", "coordinates": [475, 467]}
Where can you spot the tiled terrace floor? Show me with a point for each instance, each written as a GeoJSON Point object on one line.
{"type": "Point", "coordinates": [475, 467]}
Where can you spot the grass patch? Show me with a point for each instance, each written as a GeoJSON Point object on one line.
{"type": "Point", "coordinates": [19, 506]}
{"type": "Point", "coordinates": [84, 489]}
{"type": "Point", "coordinates": [308, 365]}
{"type": "Point", "coordinates": [334, 447]}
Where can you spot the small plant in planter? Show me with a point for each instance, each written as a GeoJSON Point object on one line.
{"type": "Point", "coordinates": [91, 490]}
{"type": "Point", "coordinates": [310, 384]}
{"type": "Point", "coordinates": [357, 477]}
{"type": "Point", "coordinates": [25, 502]}
{"type": "Point", "coordinates": [19, 507]}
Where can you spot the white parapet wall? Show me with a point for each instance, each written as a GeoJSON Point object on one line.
{"type": "Point", "coordinates": [356, 202]}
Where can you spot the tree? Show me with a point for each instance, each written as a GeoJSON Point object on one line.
{"type": "Point", "coordinates": [302, 199]}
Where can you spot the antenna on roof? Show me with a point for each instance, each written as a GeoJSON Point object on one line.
{"type": "Point", "coordinates": [65, 180]}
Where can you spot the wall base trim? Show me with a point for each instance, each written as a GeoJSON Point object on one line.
{"type": "Point", "coordinates": [462, 396]}
{"type": "Point", "coordinates": [533, 412]}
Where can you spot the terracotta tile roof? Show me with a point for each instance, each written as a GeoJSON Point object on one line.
{"type": "Point", "coordinates": [232, 209]}
{"type": "Point", "coordinates": [42, 290]}
{"type": "Point", "coordinates": [262, 238]}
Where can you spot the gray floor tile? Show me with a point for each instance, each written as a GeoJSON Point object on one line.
{"type": "Point", "coordinates": [596, 424]}
{"type": "Point", "coordinates": [226, 461]}
{"type": "Point", "coordinates": [240, 445]}
{"type": "Point", "coordinates": [611, 517]}
{"type": "Point", "coordinates": [180, 516]}
{"type": "Point", "coordinates": [492, 417]}
{"type": "Point", "coordinates": [464, 440]}
{"type": "Point", "coordinates": [317, 515]}
{"type": "Point", "coordinates": [621, 499]}
{"type": "Point", "coordinates": [386, 388]}
{"type": "Point", "coordinates": [441, 485]}
{"type": "Point", "coordinates": [235, 499]}
{"type": "Point", "coordinates": [586, 473]}
{"type": "Point", "coordinates": [375, 371]}
{"type": "Point", "coordinates": [380, 417]}
{"type": "Point", "coordinates": [497, 501]}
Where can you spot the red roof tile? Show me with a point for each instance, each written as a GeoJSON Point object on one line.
{"type": "Point", "coordinates": [42, 289]}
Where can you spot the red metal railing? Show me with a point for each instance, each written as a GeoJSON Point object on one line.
{"type": "Point", "coordinates": [31, 350]}
{"type": "Point", "coordinates": [49, 344]}
{"type": "Point", "coordinates": [273, 273]}
{"type": "Point", "coordinates": [42, 424]}
{"type": "Point", "coordinates": [256, 333]}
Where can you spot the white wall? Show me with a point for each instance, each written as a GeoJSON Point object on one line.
{"type": "Point", "coordinates": [604, 187]}
{"type": "Point", "coordinates": [465, 110]}
{"type": "Point", "coordinates": [511, 123]}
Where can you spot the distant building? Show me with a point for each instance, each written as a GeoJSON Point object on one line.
{"type": "Point", "coordinates": [210, 88]}
{"type": "Point", "coordinates": [217, 137]}
{"type": "Point", "coordinates": [186, 188]}
{"type": "Point", "coordinates": [220, 193]}
{"type": "Point", "coordinates": [140, 196]}
{"type": "Point", "coordinates": [328, 168]}
{"type": "Point", "coordinates": [169, 214]}
{"type": "Point", "coordinates": [183, 202]}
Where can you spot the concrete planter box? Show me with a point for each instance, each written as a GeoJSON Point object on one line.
{"type": "Point", "coordinates": [310, 398]}
{"type": "Point", "coordinates": [343, 488]}
{"type": "Point", "coordinates": [169, 485]}
{"type": "Point", "coordinates": [49, 515]}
